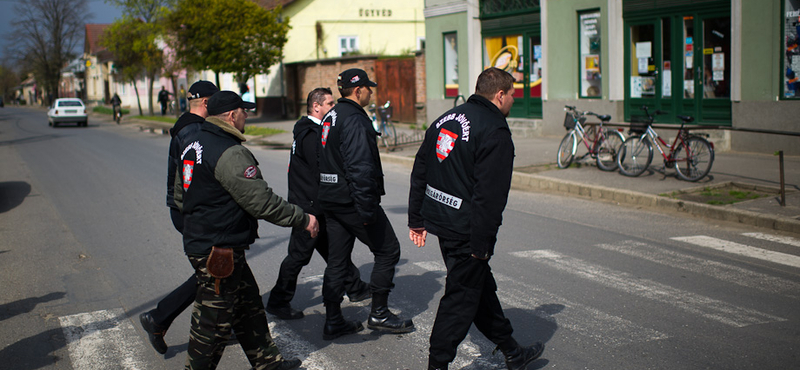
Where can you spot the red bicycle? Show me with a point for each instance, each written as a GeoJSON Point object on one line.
{"type": "Point", "coordinates": [690, 155]}
{"type": "Point", "coordinates": [602, 143]}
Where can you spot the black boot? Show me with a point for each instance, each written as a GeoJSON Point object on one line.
{"type": "Point", "coordinates": [433, 365]}
{"type": "Point", "coordinates": [518, 357]}
{"type": "Point", "coordinates": [380, 318]}
{"type": "Point", "coordinates": [335, 325]}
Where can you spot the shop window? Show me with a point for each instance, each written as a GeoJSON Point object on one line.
{"type": "Point", "coordinates": [716, 60]}
{"type": "Point", "coordinates": [791, 42]}
{"type": "Point", "coordinates": [590, 74]}
{"type": "Point", "coordinates": [450, 65]}
{"type": "Point", "coordinates": [505, 52]}
{"type": "Point", "coordinates": [643, 69]}
{"type": "Point", "coordinates": [348, 45]}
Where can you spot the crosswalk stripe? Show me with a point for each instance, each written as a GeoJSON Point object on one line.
{"type": "Point", "coordinates": [101, 340]}
{"type": "Point", "coordinates": [775, 238]}
{"type": "Point", "coordinates": [293, 345]}
{"type": "Point", "coordinates": [717, 270]}
{"type": "Point", "coordinates": [469, 351]}
{"type": "Point", "coordinates": [704, 306]}
{"type": "Point", "coordinates": [608, 329]}
{"type": "Point", "coordinates": [741, 249]}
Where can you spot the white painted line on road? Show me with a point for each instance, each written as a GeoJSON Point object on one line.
{"type": "Point", "coordinates": [102, 340]}
{"type": "Point", "coordinates": [704, 306]}
{"type": "Point", "coordinates": [607, 329]}
{"type": "Point", "coordinates": [714, 269]}
{"type": "Point", "coordinates": [775, 238]}
{"type": "Point", "coordinates": [741, 249]}
{"type": "Point", "coordinates": [293, 345]}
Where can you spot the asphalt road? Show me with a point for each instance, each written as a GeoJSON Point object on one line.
{"type": "Point", "coordinates": [86, 245]}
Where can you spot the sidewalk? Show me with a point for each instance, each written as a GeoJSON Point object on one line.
{"type": "Point", "coordinates": [535, 170]}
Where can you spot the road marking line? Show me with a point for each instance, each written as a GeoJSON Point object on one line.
{"type": "Point", "coordinates": [714, 269]}
{"type": "Point", "coordinates": [293, 345]}
{"type": "Point", "coordinates": [610, 330]}
{"type": "Point", "coordinates": [100, 340]}
{"type": "Point", "coordinates": [775, 238]}
{"type": "Point", "coordinates": [704, 306]}
{"type": "Point", "coordinates": [741, 249]}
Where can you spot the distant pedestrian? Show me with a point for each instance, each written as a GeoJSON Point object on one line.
{"type": "Point", "coordinates": [221, 194]}
{"type": "Point", "coordinates": [163, 98]}
{"type": "Point", "coordinates": [350, 190]}
{"type": "Point", "coordinates": [459, 189]}
{"type": "Point", "coordinates": [157, 321]}
{"type": "Point", "coordinates": [303, 189]}
{"type": "Point", "coordinates": [182, 99]}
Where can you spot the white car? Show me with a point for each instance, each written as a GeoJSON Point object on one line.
{"type": "Point", "coordinates": [67, 110]}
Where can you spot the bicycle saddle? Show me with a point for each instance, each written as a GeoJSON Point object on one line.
{"type": "Point", "coordinates": [686, 119]}
{"type": "Point", "coordinates": [604, 117]}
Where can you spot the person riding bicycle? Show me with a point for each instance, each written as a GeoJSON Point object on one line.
{"type": "Point", "coordinates": [116, 104]}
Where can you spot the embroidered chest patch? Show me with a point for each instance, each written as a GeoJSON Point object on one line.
{"type": "Point", "coordinates": [445, 144]}
{"type": "Point", "coordinates": [188, 170]}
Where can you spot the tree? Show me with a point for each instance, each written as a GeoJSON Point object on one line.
{"type": "Point", "coordinates": [234, 36]}
{"type": "Point", "coordinates": [148, 11]}
{"type": "Point", "coordinates": [8, 80]}
{"type": "Point", "coordinates": [141, 19]}
{"type": "Point", "coordinates": [47, 33]}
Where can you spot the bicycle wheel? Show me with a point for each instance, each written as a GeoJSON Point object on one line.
{"type": "Point", "coordinates": [693, 158]}
{"type": "Point", "coordinates": [566, 150]}
{"type": "Point", "coordinates": [388, 135]}
{"type": "Point", "coordinates": [607, 147]}
{"type": "Point", "coordinates": [634, 156]}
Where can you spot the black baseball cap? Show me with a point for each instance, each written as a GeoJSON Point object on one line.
{"type": "Point", "coordinates": [202, 89]}
{"type": "Point", "coordinates": [226, 101]}
{"type": "Point", "coordinates": [354, 77]}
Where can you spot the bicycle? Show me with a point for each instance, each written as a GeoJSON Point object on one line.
{"type": "Point", "coordinates": [602, 143]}
{"type": "Point", "coordinates": [690, 155]}
{"type": "Point", "coordinates": [117, 114]}
{"type": "Point", "coordinates": [385, 128]}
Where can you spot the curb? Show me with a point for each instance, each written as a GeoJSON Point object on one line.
{"type": "Point", "coordinates": [537, 183]}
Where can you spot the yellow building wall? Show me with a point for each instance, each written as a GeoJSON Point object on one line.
{"type": "Point", "coordinates": [385, 27]}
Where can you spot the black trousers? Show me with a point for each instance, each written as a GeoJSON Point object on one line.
{"type": "Point", "coordinates": [174, 303]}
{"type": "Point", "coordinates": [344, 227]}
{"type": "Point", "coordinates": [470, 297]}
{"type": "Point", "coordinates": [301, 249]}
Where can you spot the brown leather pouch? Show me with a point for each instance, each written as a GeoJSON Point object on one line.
{"type": "Point", "coordinates": [220, 264]}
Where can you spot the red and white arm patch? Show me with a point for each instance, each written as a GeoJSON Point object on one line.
{"type": "Point", "coordinates": [250, 172]}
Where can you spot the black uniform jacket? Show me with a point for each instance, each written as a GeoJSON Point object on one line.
{"type": "Point", "coordinates": [462, 175]}
{"type": "Point", "coordinates": [187, 126]}
{"type": "Point", "coordinates": [349, 162]}
{"type": "Point", "coordinates": [304, 167]}
{"type": "Point", "coordinates": [221, 192]}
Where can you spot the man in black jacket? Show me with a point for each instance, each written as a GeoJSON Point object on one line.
{"type": "Point", "coordinates": [222, 193]}
{"type": "Point", "coordinates": [459, 189]}
{"type": "Point", "coordinates": [350, 190]}
{"type": "Point", "coordinates": [303, 189]}
{"type": "Point", "coordinates": [156, 322]}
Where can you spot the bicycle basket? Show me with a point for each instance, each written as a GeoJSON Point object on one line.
{"type": "Point", "coordinates": [385, 113]}
{"type": "Point", "coordinates": [569, 122]}
{"type": "Point", "coordinates": [639, 124]}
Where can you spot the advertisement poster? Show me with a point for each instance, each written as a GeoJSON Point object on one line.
{"type": "Point", "coordinates": [644, 49]}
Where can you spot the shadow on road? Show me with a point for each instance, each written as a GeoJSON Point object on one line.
{"type": "Point", "coordinates": [12, 193]}
{"type": "Point", "coordinates": [31, 353]}
{"type": "Point", "coordinates": [26, 305]}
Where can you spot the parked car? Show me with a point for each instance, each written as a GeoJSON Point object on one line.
{"type": "Point", "coordinates": [67, 110]}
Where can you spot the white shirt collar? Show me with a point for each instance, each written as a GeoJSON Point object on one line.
{"type": "Point", "coordinates": [315, 120]}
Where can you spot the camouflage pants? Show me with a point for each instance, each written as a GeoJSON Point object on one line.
{"type": "Point", "coordinates": [238, 307]}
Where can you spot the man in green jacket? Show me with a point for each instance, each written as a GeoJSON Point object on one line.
{"type": "Point", "coordinates": [222, 194]}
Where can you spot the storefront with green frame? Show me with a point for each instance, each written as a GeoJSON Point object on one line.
{"type": "Point", "coordinates": [678, 60]}
{"type": "Point", "coordinates": [512, 40]}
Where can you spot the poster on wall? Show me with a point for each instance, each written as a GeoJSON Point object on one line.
{"type": "Point", "coordinates": [791, 38]}
{"type": "Point", "coordinates": [590, 41]}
